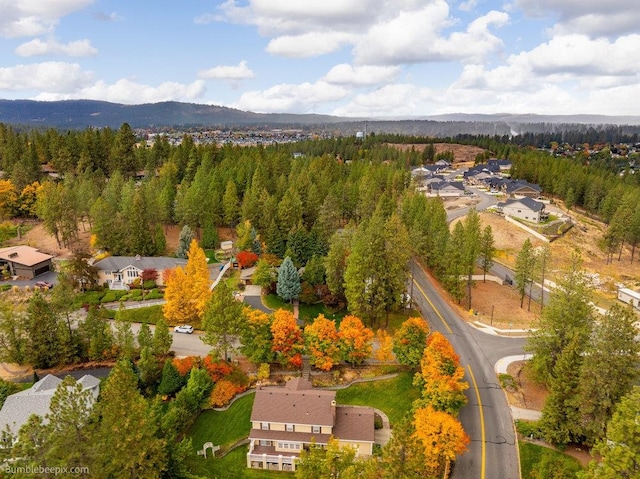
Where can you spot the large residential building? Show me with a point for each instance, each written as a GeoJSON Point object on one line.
{"type": "Point", "coordinates": [286, 420]}
{"type": "Point", "coordinates": [118, 272]}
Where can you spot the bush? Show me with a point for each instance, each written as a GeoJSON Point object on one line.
{"type": "Point", "coordinates": [529, 429]}
{"type": "Point", "coordinates": [222, 393]}
{"type": "Point", "coordinates": [149, 284]}
{"type": "Point", "coordinates": [109, 297]}
{"type": "Point", "coordinates": [154, 294]}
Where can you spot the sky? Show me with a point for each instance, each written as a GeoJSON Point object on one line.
{"type": "Point", "coordinates": [365, 58]}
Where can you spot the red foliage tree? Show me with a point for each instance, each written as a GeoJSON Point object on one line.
{"type": "Point", "coordinates": [246, 259]}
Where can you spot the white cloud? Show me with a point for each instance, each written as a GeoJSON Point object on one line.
{"type": "Point", "coordinates": [56, 77]}
{"type": "Point", "coordinates": [129, 92]}
{"type": "Point", "coordinates": [415, 37]}
{"type": "Point", "coordinates": [364, 75]}
{"type": "Point", "coordinates": [591, 17]}
{"type": "Point", "coordinates": [228, 72]}
{"type": "Point", "coordinates": [303, 98]}
{"type": "Point", "coordinates": [37, 47]}
{"type": "Point", "coordinates": [25, 18]}
{"type": "Point", "coordinates": [308, 44]}
{"type": "Point", "coordinates": [400, 100]}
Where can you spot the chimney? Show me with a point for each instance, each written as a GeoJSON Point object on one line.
{"type": "Point", "coordinates": [333, 411]}
{"type": "Point", "coordinates": [137, 257]}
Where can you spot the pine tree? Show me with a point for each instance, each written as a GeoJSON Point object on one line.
{"type": "Point", "coordinates": [288, 286]}
{"type": "Point", "coordinates": [223, 320]}
{"type": "Point", "coordinates": [184, 241]}
{"type": "Point", "coordinates": [487, 251]}
{"type": "Point", "coordinates": [162, 339]}
{"type": "Point", "coordinates": [171, 381]}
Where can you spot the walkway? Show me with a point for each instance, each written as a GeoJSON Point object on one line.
{"type": "Point", "coordinates": [501, 367]}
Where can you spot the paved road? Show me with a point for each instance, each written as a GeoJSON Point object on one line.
{"type": "Point", "coordinates": [487, 417]}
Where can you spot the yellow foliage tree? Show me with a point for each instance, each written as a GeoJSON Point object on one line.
{"type": "Point", "coordinates": [187, 290]}
{"type": "Point", "coordinates": [8, 198]}
{"type": "Point", "coordinates": [442, 436]}
{"type": "Point", "coordinates": [28, 198]}
{"type": "Point", "coordinates": [384, 352]}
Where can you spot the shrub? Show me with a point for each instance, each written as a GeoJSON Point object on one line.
{"type": "Point", "coordinates": [185, 365]}
{"type": "Point", "coordinates": [222, 393]}
{"type": "Point", "coordinates": [109, 297]}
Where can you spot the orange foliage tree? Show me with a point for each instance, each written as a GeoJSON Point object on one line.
{"type": "Point", "coordinates": [187, 290]}
{"type": "Point", "coordinates": [384, 353]}
{"type": "Point", "coordinates": [441, 376]}
{"type": "Point", "coordinates": [222, 393]}
{"type": "Point", "coordinates": [442, 436]}
{"type": "Point", "coordinates": [287, 338]}
{"type": "Point", "coordinates": [185, 365]}
{"type": "Point", "coordinates": [321, 340]}
{"type": "Point", "coordinates": [355, 340]}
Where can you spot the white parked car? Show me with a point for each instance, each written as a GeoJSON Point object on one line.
{"type": "Point", "coordinates": [184, 328]}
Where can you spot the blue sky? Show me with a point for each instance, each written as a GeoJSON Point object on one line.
{"type": "Point", "coordinates": [373, 58]}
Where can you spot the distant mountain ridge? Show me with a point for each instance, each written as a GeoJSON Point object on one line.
{"type": "Point", "coordinates": [80, 114]}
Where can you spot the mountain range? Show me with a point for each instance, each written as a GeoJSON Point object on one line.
{"type": "Point", "coordinates": [80, 114]}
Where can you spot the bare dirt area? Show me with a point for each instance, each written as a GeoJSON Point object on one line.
{"type": "Point", "coordinates": [461, 153]}
{"type": "Point", "coordinates": [38, 237]}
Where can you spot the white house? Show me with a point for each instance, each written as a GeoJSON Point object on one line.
{"type": "Point", "coordinates": [120, 271]}
{"type": "Point", "coordinates": [629, 296]}
{"type": "Point", "coordinates": [524, 208]}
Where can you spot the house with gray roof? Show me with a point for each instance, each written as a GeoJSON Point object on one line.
{"type": "Point", "coordinates": [447, 188]}
{"type": "Point", "coordinates": [18, 407]}
{"type": "Point", "coordinates": [118, 272]}
{"type": "Point", "coordinates": [287, 420]}
{"type": "Point", "coordinates": [524, 208]}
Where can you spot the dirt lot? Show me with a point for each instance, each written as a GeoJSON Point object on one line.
{"type": "Point", "coordinates": [462, 154]}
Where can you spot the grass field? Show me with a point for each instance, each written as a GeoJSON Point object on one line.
{"type": "Point", "coordinates": [540, 462]}
{"type": "Point", "coordinates": [392, 396]}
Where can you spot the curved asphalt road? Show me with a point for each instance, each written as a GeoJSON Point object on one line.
{"type": "Point", "coordinates": [487, 417]}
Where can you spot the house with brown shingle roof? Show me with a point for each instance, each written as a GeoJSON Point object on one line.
{"type": "Point", "coordinates": [25, 261]}
{"type": "Point", "coordinates": [287, 420]}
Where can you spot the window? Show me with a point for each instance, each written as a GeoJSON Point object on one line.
{"type": "Point", "coordinates": [316, 429]}
{"type": "Point", "coordinates": [290, 428]}
{"type": "Point", "coordinates": [264, 442]}
{"type": "Point", "coordinates": [264, 426]}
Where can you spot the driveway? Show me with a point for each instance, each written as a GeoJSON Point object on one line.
{"type": "Point", "coordinates": [253, 297]}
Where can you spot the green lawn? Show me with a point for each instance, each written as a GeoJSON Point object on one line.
{"type": "Point", "coordinates": [223, 427]}
{"type": "Point", "coordinates": [545, 462]}
{"type": "Point", "coordinates": [392, 396]}
{"type": "Point", "coordinates": [231, 466]}
{"type": "Point", "coordinates": [308, 312]}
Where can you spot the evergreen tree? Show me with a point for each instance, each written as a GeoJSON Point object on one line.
{"type": "Point", "coordinates": [184, 241]}
{"type": "Point", "coordinates": [171, 381]}
{"type": "Point", "coordinates": [288, 286]}
{"type": "Point", "coordinates": [567, 319]}
{"type": "Point", "coordinates": [620, 450]}
{"type": "Point", "coordinates": [148, 369]}
{"type": "Point", "coordinates": [223, 320]}
{"type": "Point", "coordinates": [162, 339]}
{"type": "Point", "coordinates": [97, 336]}
{"type": "Point", "coordinates": [124, 339]}
{"type": "Point", "coordinates": [127, 429]}
{"type": "Point", "coordinates": [145, 338]}
{"type": "Point", "coordinates": [42, 332]}
{"type": "Point", "coordinates": [487, 250]}
{"type": "Point", "coordinates": [525, 263]}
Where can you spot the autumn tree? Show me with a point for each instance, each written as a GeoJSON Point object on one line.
{"type": "Point", "coordinates": [223, 320]}
{"type": "Point", "coordinates": [246, 259]}
{"type": "Point", "coordinates": [322, 343]}
{"type": "Point", "coordinates": [410, 340]}
{"type": "Point", "coordinates": [334, 460]}
{"type": "Point", "coordinates": [442, 436]}
{"type": "Point", "coordinates": [355, 340]}
{"type": "Point", "coordinates": [384, 352]}
{"type": "Point", "coordinates": [441, 376]}
{"type": "Point", "coordinates": [187, 290]}
{"type": "Point", "coordinates": [288, 343]}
